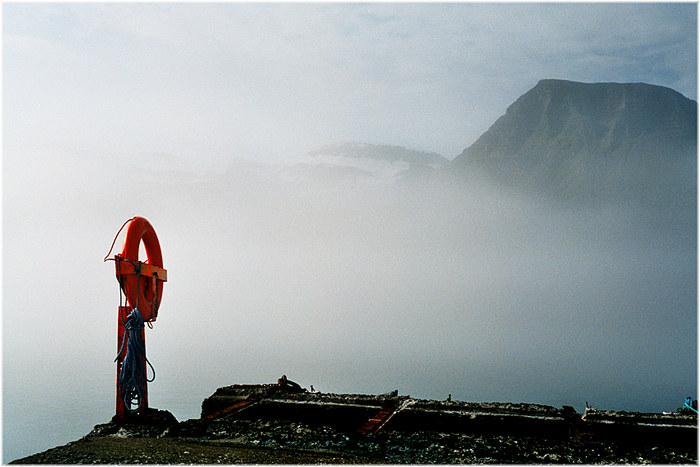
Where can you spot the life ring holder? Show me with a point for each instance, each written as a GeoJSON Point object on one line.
{"type": "Point", "coordinates": [141, 281]}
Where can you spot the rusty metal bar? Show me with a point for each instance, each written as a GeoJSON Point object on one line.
{"type": "Point", "coordinates": [232, 409]}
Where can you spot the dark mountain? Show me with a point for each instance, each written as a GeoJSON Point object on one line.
{"type": "Point", "coordinates": [604, 139]}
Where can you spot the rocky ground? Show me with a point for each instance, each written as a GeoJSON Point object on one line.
{"type": "Point", "coordinates": [259, 437]}
{"type": "Point", "coordinates": [232, 441]}
{"type": "Point", "coordinates": [173, 451]}
{"type": "Point", "coordinates": [430, 447]}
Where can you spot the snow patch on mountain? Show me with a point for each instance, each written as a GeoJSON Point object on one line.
{"type": "Point", "coordinates": [360, 162]}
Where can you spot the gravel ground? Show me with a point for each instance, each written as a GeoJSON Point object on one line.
{"type": "Point", "coordinates": [171, 451]}
{"type": "Point", "coordinates": [428, 447]}
{"type": "Point", "coordinates": [231, 441]}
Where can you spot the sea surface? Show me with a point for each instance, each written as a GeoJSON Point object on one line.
{"type": "Point", "coordinates": [40, 413]}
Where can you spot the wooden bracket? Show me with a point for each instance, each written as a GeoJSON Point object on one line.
{"type": "Point", "coordinates": [148, 270]}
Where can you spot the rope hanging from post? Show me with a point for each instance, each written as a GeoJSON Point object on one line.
{"type": "Point", "coordinates": [133, 377]}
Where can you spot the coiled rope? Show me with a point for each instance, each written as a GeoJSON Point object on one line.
{"type": "Point", "coordinates": [133, 376]}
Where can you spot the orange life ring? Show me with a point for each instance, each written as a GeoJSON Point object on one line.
{"type": "Point", "coordinates": [141, 281]}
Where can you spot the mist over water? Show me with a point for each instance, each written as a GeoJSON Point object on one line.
{"type": "Point", "coordinates": [431, 285]}
{"type": "Point", "coordinates": [434, 287]}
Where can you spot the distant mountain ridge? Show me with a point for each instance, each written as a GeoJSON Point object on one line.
{"type": "Point", "coordinates": [566, 139]}
{"type": "Point", "coordinates": [571, 136]}
{"type": "Point", "coordinates": [385, 152]}
{"type": "Point", "coordinates": [559, 116]}
{"type": "Point", "coordinates": [354, 162]}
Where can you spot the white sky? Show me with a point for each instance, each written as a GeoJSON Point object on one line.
{"type": "Point", "coordinates": [211, 81]}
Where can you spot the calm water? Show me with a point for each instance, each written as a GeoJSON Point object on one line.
{"type": "Point", "coordinates": [48, 408]}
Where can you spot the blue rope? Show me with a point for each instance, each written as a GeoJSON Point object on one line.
{"type": "Point", "coordinates": [133, 377]}
{"type": "Point", "coordinates": [689, 404]}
